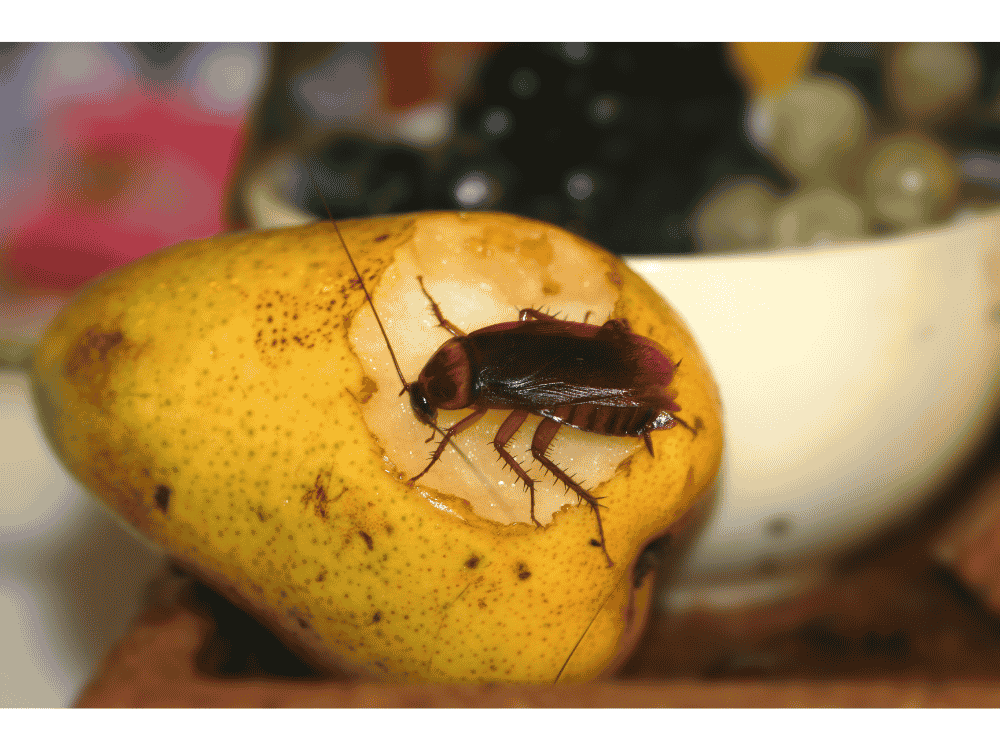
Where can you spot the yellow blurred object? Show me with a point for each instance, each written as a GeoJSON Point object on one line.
{"type": "Point", "coordinates": [767, 67]}
{"type": "Point", "coordinates": [228, 399]}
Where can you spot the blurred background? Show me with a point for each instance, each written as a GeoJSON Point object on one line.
{"type": "Point", "coordinates": [111, 151]}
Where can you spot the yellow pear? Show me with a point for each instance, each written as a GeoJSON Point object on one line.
{"type": "Point", "coordinates": [233, 400]}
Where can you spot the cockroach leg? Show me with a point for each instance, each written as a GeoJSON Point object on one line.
{"type": "Point", "coordinates": [511, 425]}
{"type": "Point", "coordinates": [530, 313]}
{"type": "Point", "coordinates": [649, 442]}
{"type": "Point", "coordinates": [442, 321]}
{"type": "Point", "coordinates": [680, 422]}
{"type": "Point", "coordinates": [543, 437]}
{"type": "Point", "coordinates": [459, 426]}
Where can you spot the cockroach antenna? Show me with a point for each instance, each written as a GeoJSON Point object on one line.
{"type": "Point", "coordinates": [357, 273]}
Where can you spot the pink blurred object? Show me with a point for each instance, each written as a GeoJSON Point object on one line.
{"type": "Point", "coordinates": [122, 177]}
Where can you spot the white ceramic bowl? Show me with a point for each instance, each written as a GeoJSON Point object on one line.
{"type": "Point", "coordinates": [855, 379]}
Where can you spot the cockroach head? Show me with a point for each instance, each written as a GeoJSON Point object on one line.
{"type": "Point", "coordinates": [421, 405]}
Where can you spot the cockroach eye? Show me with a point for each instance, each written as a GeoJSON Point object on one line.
{"type": "Point", "coordinates": [421, 405]}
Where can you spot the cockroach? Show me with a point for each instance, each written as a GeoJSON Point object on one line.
{"type": "Point", "coordinates": [604, 379]}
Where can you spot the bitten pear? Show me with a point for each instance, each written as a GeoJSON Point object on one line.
{"type": "Point", "coordinates": [233, 401]}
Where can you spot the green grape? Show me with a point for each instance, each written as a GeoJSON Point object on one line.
{"type": "Point", "coordinates": [735, 216]}
{"type": "Point", "coordinates": [910, 181]}
{"type": "Point", "coordinates": [811, 129]}
{"type": "Point", "coordinates": [932, 82]}
{"type": "Point", "coordinates": [818, 215]}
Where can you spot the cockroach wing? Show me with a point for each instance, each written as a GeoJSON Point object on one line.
{"type": "Point", "coordinates": [537, 365]}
